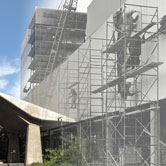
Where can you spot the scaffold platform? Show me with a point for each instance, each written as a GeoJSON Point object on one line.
{"type": "Point", "coordinates": [115, 47]}
{"type": "Point", "coordinates": [119, 44]}
{"type": "Point", "coordinates": [144, 29]}
{"type": "Point", "coordinates": [129, 74]}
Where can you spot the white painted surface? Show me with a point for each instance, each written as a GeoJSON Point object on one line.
{"type": "Point", "coordinates": [59, 101]}
{"type": "Point", "coordinates": [98, 12]}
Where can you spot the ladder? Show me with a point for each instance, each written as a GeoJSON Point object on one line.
{"type": "Point", "coordinates": [69, 5]}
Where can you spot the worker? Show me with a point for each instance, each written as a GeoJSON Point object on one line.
{"type": "Point", "coordinates": [117, 21]}
{"type": "Point", "coordinates": [135, 52]}
{"type": "Point", "coordinates": [73, 95]}
{"type": "Point", "coordinates": [163, 23]}
{"type": "Point", "coordinates": [117, 18]}
{"type": "Point", "coordinates": [130, 23]}
{"type": "Point", "coordinates": [125, 90]}
{"type": "Point", "coordinates": [126, 25]}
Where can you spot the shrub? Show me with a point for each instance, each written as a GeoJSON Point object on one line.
{"type": "Point", "coordinates": [54, 157]}
{"type": "Point", "coordinates": [69, 155]}
{"type": "Point", "coordinates": [37, 164]}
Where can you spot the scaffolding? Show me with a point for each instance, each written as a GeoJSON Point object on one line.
{"type": "Point", "coordinates": [117, 98]}
{"type": "Point", "coordinates": [52, 35]}
{"type": "Point", "coordinates": [124, 94]}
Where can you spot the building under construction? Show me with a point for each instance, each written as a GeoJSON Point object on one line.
{"type": "Point", "coordinates": [39, 45]}
{"type": "Point", "coordinates": [111, 84]}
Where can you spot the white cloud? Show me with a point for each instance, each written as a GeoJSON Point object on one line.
{"type": "Point", "coordinates": [3, 84]}
{"type": "Point", "coordinates": [15, 90]}
{"type": "Point", "coordinates": [8, 68]}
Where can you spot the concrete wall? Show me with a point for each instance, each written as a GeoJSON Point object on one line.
{"type": "Point", "coordinates": [99, 11]}
{"type": "Point", "coordinates": [97, 27]}
{"type": "Point", "coordinates": [74, 69]}
{"type": "Point", "coordinates": [147, 49]}
{"type": "Point", "coordinates": [33, 145]}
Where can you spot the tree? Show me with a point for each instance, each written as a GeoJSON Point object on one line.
{"type": "Point", "coordinates": [54, 157]}
{"type": "Point", "coordinates": [69, 155]}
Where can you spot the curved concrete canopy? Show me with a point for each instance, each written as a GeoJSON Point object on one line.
{"type": "Point", "coordinates": [16, 114]}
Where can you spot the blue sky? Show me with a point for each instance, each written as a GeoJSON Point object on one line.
{"type": "Point", "coordinates": [15, 16]}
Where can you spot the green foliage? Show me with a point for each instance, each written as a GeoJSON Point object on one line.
{"type": "Point", "coordinates": [54, 157]}
{"type": "Point", "coordinates": [37, 164]}
{"type": "Point", "coordinates": [72, 153]}
{"type": "Point", "coordinates": [69, 155]}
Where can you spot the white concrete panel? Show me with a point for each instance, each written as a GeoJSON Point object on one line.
{"type": "Point", "coordinates": [34, 110]}
{"type": "Point", "coordinates": [71, 70]}
{"type": "Point", "coordinates": [99, 11]}
{"type": "Point", "coordinates": [33, 145]}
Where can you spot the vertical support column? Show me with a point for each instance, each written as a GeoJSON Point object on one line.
{"type": "Point", "coordinates": [155, 137]}
{"type": "Point", "coordinates": [13, 149]}
{"type": "Point", "coordinates": [106, 100]}
{"type": "Point", "coordinates": [33, 145]}
{"type": "Point", "coordinates": [110, 143]}
{"type": "Point", "coordinates": [90, 103]}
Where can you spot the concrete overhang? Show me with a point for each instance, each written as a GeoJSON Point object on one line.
{"type": "Point", "coordinates": [16, 114]}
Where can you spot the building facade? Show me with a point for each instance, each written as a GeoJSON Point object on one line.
{"type": "Point", "coordinates": [38, 49]}
{"type": "Point", "coordinates": [123, 125]}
